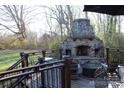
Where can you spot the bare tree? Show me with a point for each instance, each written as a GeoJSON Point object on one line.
{"type": "Point", "coordinates": [63, 16]}
{"type": "Point", "coordinates": [15, 18]}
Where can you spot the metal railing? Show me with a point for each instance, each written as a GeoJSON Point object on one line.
{"type": "Point", "coordinates": [26, 59]}
{"type": "Point", "coordinates": [47, 74]}
{"type": "Point", "coordinates": [30, 58]}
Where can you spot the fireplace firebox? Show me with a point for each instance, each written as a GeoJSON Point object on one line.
{"type": "Point", "coordinates": [82, 50]}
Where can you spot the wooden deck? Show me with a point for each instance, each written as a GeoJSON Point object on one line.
{"type": "Point", "coordinates": [83, 82]}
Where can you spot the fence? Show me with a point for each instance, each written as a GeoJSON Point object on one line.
{"type": "Point", "coordinates": [114, 57]}
{"type": "Point", "coordinates": [29, 59]}
{"type": "Point", "coordinates": [26, 59]}
{"type": "Point", "coordinates": [47, 74]}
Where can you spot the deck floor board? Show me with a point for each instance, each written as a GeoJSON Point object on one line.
{"type": "Point", "coordinates": [82, 83]}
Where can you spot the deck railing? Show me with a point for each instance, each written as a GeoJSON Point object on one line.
{"type": "Point", "coordinates": [47, 74]}
{"type": "Point", "coordinates": [30, 58]}
{"type": "Point", "coordinates": [114, 57]}
{"type": "Point", "coordinates": [26, 59]}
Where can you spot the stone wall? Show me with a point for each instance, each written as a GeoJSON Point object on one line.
{"type": "Point", "coordinates": [82, 34]}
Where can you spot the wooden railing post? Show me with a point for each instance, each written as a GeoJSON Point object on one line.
{"type": "Point", "coordinates": [22, 61]}
{"type": "Point", "coordinates": [107, 56]}
{"type": "Point", "coordinates": [44, 54]}
{"type": "Point", "coordinates": [26, 60]}
{"type": "Point", "coordinates": [63, 77]}
{"type": "Point", "coordinates": [66, 73]}
{"type": "Point", "coordinates": [60, 53]}
{"type": "Point", "coordinates": [22, 55]}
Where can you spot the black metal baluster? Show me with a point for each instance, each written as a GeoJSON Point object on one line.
{"type": "Point", "coordinates": [25, 82]}
{"type": "Point", "coordinates": [7, 83]}
{"type": "Point", "coordinates": [10, 82]}
{"type": "Point", "coordinates": [55, 82]}
{"type": "Point", "coordinates": [34, 83]}
{"type": "Point", "coordinates": [0, 85]}
{"type": "Point", "coordinates": [43, 79]}
{"type": "Point", "coordinates": [52, 77]}
{"type": "Point", "coordinates": [60, 78]}
{"type": "Point", "coordinates": [3, 86]}
{"type": "Point", "coordinates": [31, 82]}
{"type": "Point", "coordinates": [34, 80]}
{"type": "Point", "coordinates": [45, 76]}
{"type": "Point", "coordinates": [56, 78]}
{"type": "Point", "coordinates": [37, 79]}
{"type": "Point", "coordinates": [47, 79]}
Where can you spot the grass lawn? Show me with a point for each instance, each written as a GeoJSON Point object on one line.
{"type": "Point", "coordinates": [7, 58]}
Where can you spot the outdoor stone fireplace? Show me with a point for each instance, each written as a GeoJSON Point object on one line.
{"type": "Point", "coordinates": [82, 41]}
{"type": "Point", "coordinates": [82, 44]}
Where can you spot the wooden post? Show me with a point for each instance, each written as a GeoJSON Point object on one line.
{"type": "Point", "coordinates": [26, 59]}
{"type": "Point", "coordinates": [66, 73]}
{"type": "Point", "coordinates": [63, 77]}
{"type": "Point", "coordinates": [22, 55]}
{"type": "Point", "coordinates": [107, 56]}
{"type": "Point", "coordinates": [22, 61]}
{"type": "Point", "coordinates": [60, 53]}
{"type": "Point", "coordinates": [119, 60]}
{"type": "Point", "coordinates": [44, 54]}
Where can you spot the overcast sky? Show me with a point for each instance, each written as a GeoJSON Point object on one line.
{"type": "Point", "coordinates": [39, 23]}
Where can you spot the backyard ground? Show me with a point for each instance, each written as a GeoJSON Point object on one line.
{"type": "Point", "coordinates": [7, 58]}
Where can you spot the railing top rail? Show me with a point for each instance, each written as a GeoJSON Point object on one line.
{"type": "Point", "coordinates": [40, 51]}
{"type": "Point", "coordinates": [88, 58]}
{"type": "Point", "coordinates": [20, 60]}
{"type": "Point", "coordinates": [28, 53]}
{"type": "Point", "coordinates": [31, 67]}
{"type": "Point", "coordinates": [30, 72]}
{"type": "Point", "coordinates": [32, 53]}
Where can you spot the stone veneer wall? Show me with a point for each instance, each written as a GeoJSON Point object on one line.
{"type": "Point", "coordinates": [82, 34]}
